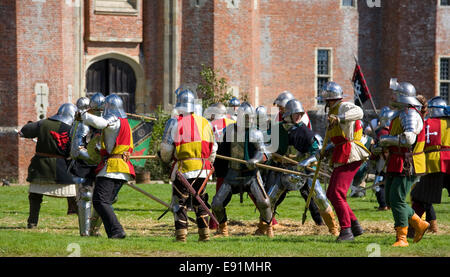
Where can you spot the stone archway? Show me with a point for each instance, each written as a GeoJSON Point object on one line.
{"type": "Point", "coordinates": [117, 73]}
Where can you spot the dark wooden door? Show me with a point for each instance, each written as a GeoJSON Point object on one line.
{"type": "Point", "coordinates": [112, 76]}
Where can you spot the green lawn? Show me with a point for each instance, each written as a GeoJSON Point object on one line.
{"type": "Point", "coordinates": [57, 233]}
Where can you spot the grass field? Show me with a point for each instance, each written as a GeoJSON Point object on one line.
{"type": "Point", "coordinates": [57, 233]}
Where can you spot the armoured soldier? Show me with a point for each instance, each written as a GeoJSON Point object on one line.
{"type": "Point", "coordinates": [115, 167]}
{"type": "Point", "coordinates": [345, 132]}
{"type": "Point", "coordinates": [281, 102]}
{"type": "Point", "coordinates": [437, 147]}
{"type": "Point", "coordinates": [294, 132]}
{"type": "Point", "coordinates": [85, 148]}
{"type": "Point", "coordinates": [243, 141]}
{"type": "Point", "coordinates": [47, 172]}
{"type": "Point", "coordinates": [234, 103]}
{"type": "Point", "coordinates": [188, 140]}
{"type": "Point", "coordinates": [381, 156]}
{"type": "Point", "coordinates": [405, 143]}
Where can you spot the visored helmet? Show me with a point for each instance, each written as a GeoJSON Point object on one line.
{"type": "Point", "coordinates": [215, 111]}
{"type": "Point", "coordinates": [405, 93]}
{"type": "Point", "coordinates": [437, 107]}
{"type": "Point", "coordinates": [82, 104]}
{"type": "Point", "coordinates": [283, 98]}
{"type": "Point", "coordinates": [293, 106]}
{"type": "Point", "coordinates": [66, 113]}
{"type": "Point", "coordinates": [114, 106]}
{"type": "Point", "coordinates": [246, 113]}
{"type": "Point", "coordinates": [186, 101]}
{"type": "Point", "coordinates": [331, 91]}
{"type": "Point", "coordinates": [97, 103]}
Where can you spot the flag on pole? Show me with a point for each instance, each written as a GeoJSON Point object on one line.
{"type": "Point", "coordinates": [142, 134]}
{"type": "Point", "coordinates": [360, 87]}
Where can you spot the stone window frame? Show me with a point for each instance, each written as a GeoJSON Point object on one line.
{"type": "Point", "coordinates": [354, 4]}
{"type": "Point", "coordinates": [441, 81]}
{"type": "Point", "coordinates": [444, 5]}
{"type": "Point", "coordinates": [316, 69]}
{"type": "Point", "coordinates": [112, 11]}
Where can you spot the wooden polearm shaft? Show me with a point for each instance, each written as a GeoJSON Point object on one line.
{"type": "Point", "coordinates": [274, 168]}
{"type": "Point", "coordinates": [294, 162]}
{"type": "Point", "coordinates": [149, 195]}
{"type": "Point", "coordinates": [149, 157]}
{"type": "Point", "coordinates": [141, 116]}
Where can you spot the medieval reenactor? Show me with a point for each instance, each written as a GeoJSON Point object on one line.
{"type": "Point", "coordinates": [293, 132]}
{"type": "Point", "coordinates": [188, 141]}
{"type": "Point", "coordinates": [115, 167]}
{"type": "Point", "coordinates": [85, 153]}
{"type": "Point", "coordinates": [243, 141]}
{"type": "Point", "coordinates": [47, 172]}
{"type": "Point", "coordinates": [437, 153]}
{"type": "Point", "coordinates": [234, 103]}
{"type": "Point", "coordinates": [345, 132]}
{"type": "Point", "coordinates": [219, 122]}
{"type": "Point", "coordinates": [379, 157]}
{"type": "Point", "coordinates": [406, 141]}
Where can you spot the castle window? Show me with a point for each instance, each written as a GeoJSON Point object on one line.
{"type": "Point", "coordinates": [445, 2]}
{"type": "Point", "coordinates": [348, 3]}
{"type": "Point", "coordinates": [444, 78]}
{"type": "Point", "coordinates": [323, 69]}
{"type": "Point", "coordinates": [125, 7]}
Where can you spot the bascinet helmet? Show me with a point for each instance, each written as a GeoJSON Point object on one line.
{"type": "Point", "coordinates": [114, 106]}
{"type": "Point", "coordinates": [66, 113]}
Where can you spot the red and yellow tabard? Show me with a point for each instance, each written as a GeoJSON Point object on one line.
{"type": "Point", "coordinates": [397, 154]}
{"type": "Point", "coordinates": [437, 145]}
{"type": "Point", "coordinates": [220, 124]}
{"type": "Point", "coordinates": [124, 144]}
{"type": "Point", "coordinates": [194, 142]}
{"type": "Point", "coordinates": [343, 146]}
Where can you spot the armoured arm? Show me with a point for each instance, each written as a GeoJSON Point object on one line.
{"type": "Point", "coordinates": [257, 138]}
{"type": "Point", "coordinates": [77, 147]}
{"type": "Point", "coordinates": [30, 130]}
{"type": "Point", "coordinates": [98, 122]}
{"type": "Point", "coordinates": [167, 144]}
{"type": "Point", "coordinates": [412, 124]}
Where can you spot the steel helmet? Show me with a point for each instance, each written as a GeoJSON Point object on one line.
{"type": "Point", "coordinates": [261, 115]}
{"type": "Point", "coordinates": [234, 102]}
{"type": "Point", "coordinates": [293, 106]}
{"type": "Point", "coordinates": [66, 113]}
{"type": "Point", "coordinates": [386, 117]}
{"type": "Point", "coordinates": [186, 101]}
{"type": "Point", "coordinates": [405, 93]}
{"type": "Point", "coordinates": [82, 104]}
{"type": "Point", "coordinates": [437, 107]}
{"type": "Point", "coordinates": [114, 106]}
{"type": "Point", "coordinates": [246, 113]}
{"type": "Point", "coordinates": [215, 111]}
{"type": "Point", "coordinates": [331, 91]}
{"type": "Point", "coordinates": [97, 103]}
{"type": "Point", "coordinates": [283, 98]}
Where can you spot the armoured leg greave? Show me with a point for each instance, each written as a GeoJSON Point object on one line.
{"type": "Point", "coordinates": [319, 196]}
{"type": "Point", "coordinates": [84, 209]}
{"type": "Point", "coordinates": [219, 202]}
{"type": "Point", "coordinates": [262, 202]}
{"type": "Point", "coordinates": [95, 224]}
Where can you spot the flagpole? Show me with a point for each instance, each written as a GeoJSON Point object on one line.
{"type": "Point", "coordinates": [370, 121]}
{"type": "Point", "coordinates": [370, 95]}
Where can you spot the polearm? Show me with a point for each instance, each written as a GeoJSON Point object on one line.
{"type": "Point", "coordinates": [316, 173]}
{"type": "Point", "coordinates": [149, 195]}
{"type": "Point", "coordinates": [141, 116]}
{"type": "Point", "coordinates": [149, 157]}
{"type": "Point", "coordinates": [294, 162]}
{"type": "Point", "coordinates": [273, 168]}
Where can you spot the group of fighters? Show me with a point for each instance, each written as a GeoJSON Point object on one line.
{"type": "Point", "coordinates": [409, 145]}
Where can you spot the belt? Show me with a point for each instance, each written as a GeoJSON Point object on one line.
{"type": "Point", "coordinates": [124, 156]}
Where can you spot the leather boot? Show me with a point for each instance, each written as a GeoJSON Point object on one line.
{"type": "Point", "coordinates": [357, 230]}
{"type": "Point", "coordinates": [259, 230]}
{"type": "Point", "coordinates": [345, 235]}
{"type": "Point", "coordinates": [203, 234]}
{"type": "Point", "coordinates": [267, 229]}
{"type": "Point", "coordinates": [181, 234]}
{"type": "Point", "coordinates": [433, 226]}
{"type": "Point", "coordinates": [401, 237]}
{"type": "Point", "coordinates": [410, 233]}
{"type": "Point", "coordinates": [223, 229]}
{"type": "Point", "coordinates": [420, 227]}
{"type": "Point", "coordinates": [328, 217]}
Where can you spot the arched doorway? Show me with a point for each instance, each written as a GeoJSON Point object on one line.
{"type": "Point", "coordinates": [112, 76]}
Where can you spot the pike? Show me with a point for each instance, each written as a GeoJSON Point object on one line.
{"type": "Point", "coordinates": [294, 162]}
{"type": "Point", "coordinates": [141, 117]}
{"type": "Point", "coordinates": [269, 167]}
{"type": "Point", "coordinates": [195, 194]}
{"type": "Point", "coordinates": [155, 199]}
{"type": "Point", "coordinates": [316, 173]}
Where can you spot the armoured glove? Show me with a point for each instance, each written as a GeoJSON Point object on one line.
{"type": "Point", "coordinates": [251, 164]}
{"type": "Point", "coordinates": [308, 161]}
